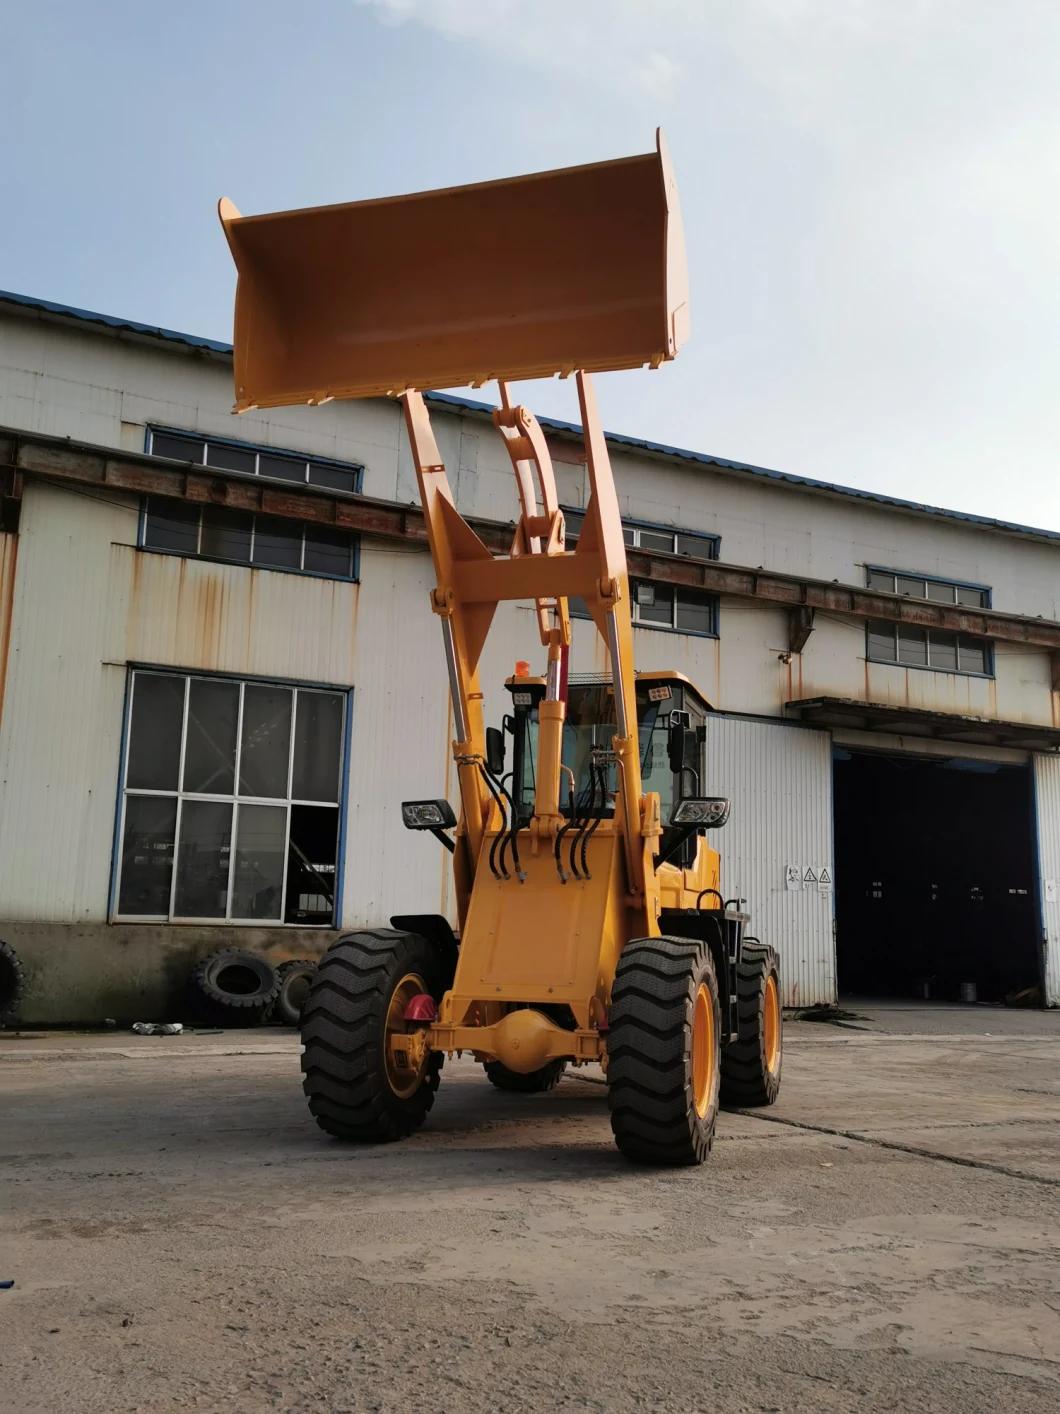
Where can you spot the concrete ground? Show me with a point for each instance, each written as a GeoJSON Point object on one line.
{"type": "Point", "coordinates": [886, 1237]}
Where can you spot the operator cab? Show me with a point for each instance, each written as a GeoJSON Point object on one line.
{"type": "Point", "coordinates": [671, 717]}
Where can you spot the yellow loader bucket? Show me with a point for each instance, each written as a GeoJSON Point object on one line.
{"type": "Point", "coordinates": [521, 278]}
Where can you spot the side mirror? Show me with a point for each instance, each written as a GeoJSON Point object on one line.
{"type": "Point", "coordinates": [495, 751]}
{"type": "Point", "coordinates": [701, 812]}
{"type": "Point", "coordinates": [682, 743]}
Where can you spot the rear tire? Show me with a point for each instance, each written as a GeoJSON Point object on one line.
{"type": "Point", "coordinates": [356, 1002]}
{"type": "Point", "coordinates": [534, 1083]}
{"type": "Point", "coordinates": [750, 1065]}
{"type": "Point", "coordinates": [663, 1062]}
{"type": "Point", "coordinates": [12, 983]}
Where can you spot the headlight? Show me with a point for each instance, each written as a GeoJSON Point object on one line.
{"type": "Point", "coordinates": [708, 812]}
{"type": "Point", "coordinates": [427, 815]}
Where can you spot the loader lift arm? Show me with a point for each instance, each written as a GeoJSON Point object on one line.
{"type": "Point", "coordinates": [472, 582]}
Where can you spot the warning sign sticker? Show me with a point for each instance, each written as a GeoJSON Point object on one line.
{"type": "Point", "coordinates": [809, 875]}
{"type": "Point", "coordinates": [824, 878]}
{"type": "Point", "coordinates": [792, 877]}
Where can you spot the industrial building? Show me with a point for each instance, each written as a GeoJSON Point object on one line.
{"type": "Point", "coordinates": [219, 677]}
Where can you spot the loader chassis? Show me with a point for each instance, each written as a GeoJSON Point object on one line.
{"type": "Point", "coordinates": [591, 921]}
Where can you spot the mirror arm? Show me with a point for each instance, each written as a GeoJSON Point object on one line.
{"type": "Point", "coordinates": [686, 832]}
{"type": "Point", "coordinates": [439, 834]}
{"type": "Point", "coordinates": [686, 771]}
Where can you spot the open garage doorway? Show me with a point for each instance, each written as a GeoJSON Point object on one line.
{"type": "Point", "coordinates": [936, 897]}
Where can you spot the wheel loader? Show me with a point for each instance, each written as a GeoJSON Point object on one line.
{"type": "Point", "coordinates": [591, 922]}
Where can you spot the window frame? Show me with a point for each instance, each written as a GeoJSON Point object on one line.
{"type": "Point", "coordinates": [257, 450]}
{"type": "Point", "coordinates": [713, 599]}
{"type": "Point", "coordinates": [955, 584]}
{"type": "Point", "coordinates": [653, 528]}
{"type": "Point", "coordinates": [354, 576]}
{"type": "Point", "coordinates": [929, 667]}
{"type": "Point", "coordinates": [984, 589]}
{"type": "Point", "coordinates": [234, 800]}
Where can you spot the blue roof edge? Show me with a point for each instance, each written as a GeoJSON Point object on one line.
{"type": "Point", "coordinates": [552, 424]}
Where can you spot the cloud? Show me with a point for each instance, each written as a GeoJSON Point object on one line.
{"type": "Point", "coordinates": [611, 45]}
{"type": "Point", "coordinates": [658, 76]}
{"type": "Point", "coordinates": [871, 191]}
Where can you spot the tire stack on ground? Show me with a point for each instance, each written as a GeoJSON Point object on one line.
{"type": "Point", "coordinates": [295, 980]}
{"type": "Point", "coordinates": [12, 984]}
{"type": "Point", "coordinates": [234, 987]}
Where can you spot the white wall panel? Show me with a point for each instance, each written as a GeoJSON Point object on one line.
{"type": "Point", "coordinates": [86, 603]}
{"type": "Point", "coordinates": [779, 780]}
{"type": "Point", "coordinates": [1047, 796]}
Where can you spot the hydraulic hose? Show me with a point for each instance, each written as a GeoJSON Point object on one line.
{"type": "Point", "coordinates": [583, 823]}
{"type": "Point", "coordinates": [493, 790]}
{"type": "Point", "coordinates": [575, 808]}
{"type": "Point", "coordinates": [510, 837]}
{"type": "Point", "coordinates": [588, 834]}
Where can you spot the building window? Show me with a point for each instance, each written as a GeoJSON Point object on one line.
{"type": "Point", "coordinates": [230, 801]}
{"type": "Point", "coordinates": [928, 648]}
{"type": "Point", "coordinates": [243, 538]}
{"type": "Point", "coordinates": [226, 455]}
{"type": "Point", "coordinates": [913, 647]}
{"type": "Point", "coordinates": [674, 606]}
{"type": "Point", "coordinates": [938, 591]}
{"type": "Point", "coordinates": [658, 605]}
{"type": "Point", "coordinates": [654, 537]}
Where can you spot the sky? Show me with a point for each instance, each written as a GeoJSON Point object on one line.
{"type": "Point", "coordinates": [870, 189]}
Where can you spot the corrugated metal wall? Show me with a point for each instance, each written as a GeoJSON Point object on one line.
{"type": "Point", "coordinates": [779, 779]}
{"type": "Point", "coordinates": [1047, 795]}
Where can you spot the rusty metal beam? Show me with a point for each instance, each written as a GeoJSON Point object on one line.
{"type": "Point", "coordinates": [62, 460]}
{"type": "Point", "coordinates": [925, 722]}
{"type": "Point", "coordinates": [792, 591]}
{"type": "Point", "coordinates": [800, 626]}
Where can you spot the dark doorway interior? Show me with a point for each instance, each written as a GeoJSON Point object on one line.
{"type": "Point", "coordinates": [935, 878]}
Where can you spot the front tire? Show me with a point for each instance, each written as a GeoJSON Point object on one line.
{"type": "Point", "coordinates": [750, 1065]}
{"type": "Point", "coordinates": [356, 1089]}
{"type": "Point", "coordinates": [663, 1060]}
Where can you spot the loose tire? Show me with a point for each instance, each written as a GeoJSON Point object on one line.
{"type": "Point", "coordinates": [750, 1065]}
{"type": "Point", "coordinates": [536, 1082]}
{"type": "Point", "coordinates": [234, 987]}
{"type": "Point", "coordinates": [663, 1064]}
{"type": "Point", "coordinates": [12, 983]}
{"type": "Point", "coordinates": [356, 1003]}
{"type": "Point", "coordinates": [296, 978]}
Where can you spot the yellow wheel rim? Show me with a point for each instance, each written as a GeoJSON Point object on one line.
{"type": "Point", "coordinates": [771, 1027]}
{"type": "Point", "coordinates": [704, 1048]}
{"type": "Point", "coordinates": [403, 1080]}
